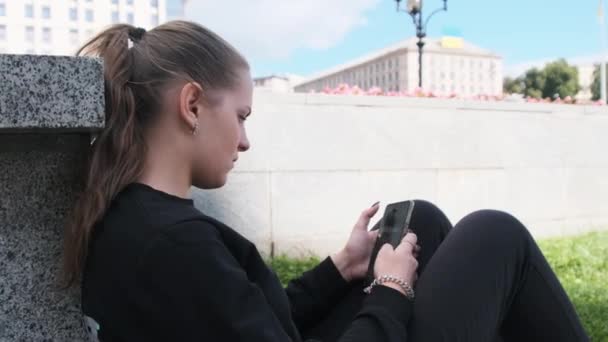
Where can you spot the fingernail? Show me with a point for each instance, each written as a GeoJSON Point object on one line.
{"type": "Point", "coordinates": [375, 204]}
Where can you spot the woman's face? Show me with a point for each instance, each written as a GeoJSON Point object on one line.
{"type": "Point", "coordinates": [221, 134]}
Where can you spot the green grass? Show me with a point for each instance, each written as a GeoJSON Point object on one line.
{"type": "Point", "coordinates": [288, 268]}
{"type": "Point", "coordinates": [581, 264]}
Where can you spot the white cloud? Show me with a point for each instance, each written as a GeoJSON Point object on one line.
{"type": "Point", "coordinates": [275, 28]}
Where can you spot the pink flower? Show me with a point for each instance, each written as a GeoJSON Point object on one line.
{"type": "Point", "coordinates": [374, 91]}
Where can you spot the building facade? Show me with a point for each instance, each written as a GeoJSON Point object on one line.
{"type": "Point", "coordinates": [585, 79]}
{"type": "Point", "coordinates": [60, 27]}
{"type": "Point", "coordinates": [450, 66]}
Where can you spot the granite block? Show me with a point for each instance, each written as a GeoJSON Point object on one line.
{"type": "Point", "coordinates": [38, 177]}
{"type": "Point", "coordinates": [51, 92]}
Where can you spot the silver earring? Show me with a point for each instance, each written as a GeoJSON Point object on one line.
{"type": "Point", "coordinates": [195, 128]}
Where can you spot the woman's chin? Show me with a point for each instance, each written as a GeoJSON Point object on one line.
{"type": "Point", "coordinates": [213, 184]}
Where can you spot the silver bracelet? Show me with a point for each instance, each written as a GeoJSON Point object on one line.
{"type": "Point", "coordinates": [409, 291]}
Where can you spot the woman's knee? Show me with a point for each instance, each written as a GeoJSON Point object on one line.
{"type": "Point", "coordinates": [494, 226]}
{"type": "Point", "coordinates": [428, 214]}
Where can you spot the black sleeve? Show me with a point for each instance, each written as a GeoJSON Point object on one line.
{"type": "Point", "coordinates": [383, 316]}
{"type": "Point", "coordinates": [197, 291]}
{"type": "Point", "coordinates": [314, 293]}
{"type": "Point", "coordinates": [194, 290]}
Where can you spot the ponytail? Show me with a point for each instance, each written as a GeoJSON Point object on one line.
{"type": "Point", "coordinates": [116, 158]}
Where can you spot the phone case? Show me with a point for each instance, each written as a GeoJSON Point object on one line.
{"type": "Point", "coordinates": [393, 227]}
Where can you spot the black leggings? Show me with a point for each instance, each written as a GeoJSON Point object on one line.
{"type": "Point", "coordinates": [483, 280]}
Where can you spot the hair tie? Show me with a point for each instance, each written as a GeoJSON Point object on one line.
{"type": "Point", "coordinates": [136, 34]}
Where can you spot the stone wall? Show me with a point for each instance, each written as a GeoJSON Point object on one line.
{"type": "Point", "coordinates": [48, 108]}
{"type": "Point", "coordinates": [317, 160]}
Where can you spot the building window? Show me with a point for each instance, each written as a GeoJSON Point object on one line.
{"type": "Point", "coordinates": [130, 2]}
{"type": "Point", "coordinates": [46, 12]}
{"type": "Point", "coordinates": [154, 3]}
{"type": "Point", "coordinates": [47, 35]}
{"type": "Point", "coordinates": [2, 32]}
{"type": "Point", "coordinates": [452, 76]}
{"type": "Point", "coordinates": [29, 34]}
{"type": "Point", "coordinates": [74, 36]}
{"type": "Point", "coordinates": [74, 14]}
{"type": "Point", "coordinates": [115, 2]}
{"type": "Point", "coordinates": [89, 15]}
{"type": "Point", "coordinates": [130, 18]}
{"type": "Point", "coordinates": [2, 9]}
{"type": "Point", "coordinates": [115, 18]}
{"type": "Point", "coordinates": [29, 11]}
{"type": "Point", "coordinates": [390, 64]}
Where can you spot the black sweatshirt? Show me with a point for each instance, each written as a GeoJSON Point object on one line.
{"type": "Point", "coordinates": [160, 270]}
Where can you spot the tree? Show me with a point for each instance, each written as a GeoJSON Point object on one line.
{"type": "Point", "coordinates": [561, 79]}
{"type": "Point", "coordinates": [513, 85]}
{"type": "Point", "coordinates": [534, 83]}
{"type": "Point", "coordinates": [555, 79]}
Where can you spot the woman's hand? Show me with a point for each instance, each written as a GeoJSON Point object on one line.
{"type": "Point", "coordinates": [353, 260]}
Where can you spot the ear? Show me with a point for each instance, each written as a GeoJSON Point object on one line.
{"type": "Point", "coordinates": [190, 103]}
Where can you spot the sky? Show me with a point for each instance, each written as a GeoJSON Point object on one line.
{"type": "Point", "coordinates": [304, 37]}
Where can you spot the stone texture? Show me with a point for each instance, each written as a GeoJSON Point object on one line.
{"type": "Point", "coordinates": [48, 107]}
{"type": "Point", "coordinates": [51, 92]}
{"type": "Point", "coordinates": [37, 177]}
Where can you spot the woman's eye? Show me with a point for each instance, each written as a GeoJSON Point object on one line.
{"type": "Point", "coordinates": [242, 118]}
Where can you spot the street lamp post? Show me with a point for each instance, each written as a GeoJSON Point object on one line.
{"type": "Point", "coordinates": [414, 8]}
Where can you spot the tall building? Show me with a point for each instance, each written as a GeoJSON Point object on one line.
{"type": "Point", "coordinates": [60, 27]}
{"type": "Point", "coordinates": [450, 66]}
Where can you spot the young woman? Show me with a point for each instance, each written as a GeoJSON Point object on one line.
{"type": "Point", "coordinates": [154, 268]}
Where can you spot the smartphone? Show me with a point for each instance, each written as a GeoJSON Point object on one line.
{"type": "Point", "coordinates": [393, 226]}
